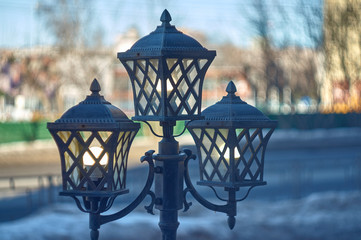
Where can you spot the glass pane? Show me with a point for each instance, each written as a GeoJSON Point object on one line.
{"type": "Point", "coordinates": [174, 102]}
{"type": "Point", "coordinates": [208, 168]}
{"type": "Point", "coordinates": [95, 143]}
{"type": "Point", "coordinates": [152, 75]}
{"type": "Point", "coordinates": [196, 86]}
{"type": "Point", "coordinates": [183, 87]}
{"type": "Point", "coordinates": [105, 135]}
{"type": "Point", "coordinates": [206, 141]}
{"type": "Point", "coordinates": [210, 132]}
{"type": "Point", "coordinates": [192, 73]}
{"type": "Point", "coordinates": [223, 168]}
{"type": "Point", "coordinates": [254, 171]}
{"type": "Point", "coordinates": [177, 73]}
{"type": "Point", "coordinates": [202, 62]}
{"type": "Point", "coordinates": [68, 161]}
{"type": "Point", "coordinates": [248, 154]}
{"type": "Point", "coordinates": [169, 86]}
{"type": "Point", "coordinates": [139, 74]}
{"type": "Point", "coordinates": [137, 87]}
{"type": "Point", "coordinates": [143, 103]}
{"type": "Point", "coordinates": [148, 88]}
{"type": "Point", "coordinates": [64, 135]}
{"type": "Point", "coordinates": [223, 133]}
{"type": "Point", "coordinates": [240, 133]}
{"type": "Point", "coordinates": [125, 143]}
{"type": "Point", "coordinates": [85, 135]}
{"type": "Point", "coordinates": [190, 101]}
{"type": "Point", "coordinates": [120, 165]}
{"type": "Point", "coordinates": [197, 132]}
{"type": "Point", "coordinates": [215, 154]}
{"type": "Point", "coordinates": [141, 64]}
{"type": "Point", "coordinates": [75, 147]}
{"type": "Point", "coordinates": [187, 62]}
{"type": "Point", "coordinates": [73, 175]}
{"type": "Point", "coordinates": [154, 64]}
{"type": "Point", "coordinates": [171, 62]}
{"type": "Point", "coordinates": [130, 64]}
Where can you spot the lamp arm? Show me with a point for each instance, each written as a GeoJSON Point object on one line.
{"type": "Point", "coordinates": [177, 135]}
{"type": "Point", "coordinates": [230, 208]}
{"type": "Point", "coordinates": [146, 191]}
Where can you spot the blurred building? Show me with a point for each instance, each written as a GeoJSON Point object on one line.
{"type": "Point", "coordinates": [41, 82]}
{"type": "Point", "coordinates": [341, 89]}
{"type": "Point", "coordinates": [44, 82]}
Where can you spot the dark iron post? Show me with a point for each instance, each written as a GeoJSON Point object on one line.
{"type": "Point", "coordinates": [169, 182]}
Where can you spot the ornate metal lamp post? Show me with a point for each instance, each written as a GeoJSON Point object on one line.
{"type": "Point", "coordinates": [167, 70]}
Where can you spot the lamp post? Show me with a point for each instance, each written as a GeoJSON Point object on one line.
{"type": "Point", "coordinates": [166, 69]}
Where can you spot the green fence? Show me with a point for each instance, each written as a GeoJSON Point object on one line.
{"type": "Point", "coordinates": [317, 120]}
{"type": "Point", "coordinates": [23, 131]}
{"type": "Point", "coordinates": [30, 131]}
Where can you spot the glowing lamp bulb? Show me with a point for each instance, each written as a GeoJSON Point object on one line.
{"type": "Point", "coordinates": [88, 162]}
{"type": "Point", "coordinates": [96, 151]}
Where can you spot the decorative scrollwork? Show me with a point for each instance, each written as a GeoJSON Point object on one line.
{"type": "Point", "coordinates": [150, 207]}
{"type": "Point", "coordinates": [145, 191]}
{"type": "Point", "coordinates": [229, 208]}
{"type": "Point", "coordinates": [187, 205]}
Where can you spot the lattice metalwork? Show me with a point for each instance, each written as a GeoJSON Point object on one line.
{"type": "Point", "coordinates": [146, 86]}
{"type": "Point", "coordinates": [183, 86]}
{"type": "Point", "coordinates": [231, 156]}
{"type": "Point", "coordinates": [120, 164]}
{"type": "Point", "coordinates": [94, 160]}
{"type": "Point", "coordinates": [172, 93]}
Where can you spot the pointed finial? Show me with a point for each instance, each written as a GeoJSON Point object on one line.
{"type": "Point", "coordinates": [231, 222]}
{"type": "Point", "coordinates": [95, 87]}
{"type": "Point", "coordinates": [231, 88]}
{"type": "Point", "coordinates": [165, 18]}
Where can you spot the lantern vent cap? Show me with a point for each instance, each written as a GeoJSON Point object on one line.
{"type": "Point", "coordinates": [94, 109]}
{"type": "Point", "coordinates": [233, 108]}
{"type": "Point", "coordinates": [165, 39]}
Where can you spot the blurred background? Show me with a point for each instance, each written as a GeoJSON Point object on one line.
{"type": "Point", "coordinates": [298, 61]}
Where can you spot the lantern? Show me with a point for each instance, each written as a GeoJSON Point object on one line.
{"type": "Point", "coordinates": [93, 139]}
{"type": "Point", "coordinates": [167, 69]}
{"type": "Point", "coordinates": [231, 143]}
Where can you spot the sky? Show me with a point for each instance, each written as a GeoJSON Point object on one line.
{"type": "Point", "coordinates": [221, 21]}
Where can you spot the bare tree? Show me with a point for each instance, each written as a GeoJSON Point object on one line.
{"type": "Point", "coordinates": [312, 15]}
{"type": "Point", "coordinates": [282, 64]}
{"type": "Point", "coordinates": [342, 44]}
{"type": "Point", "coordinates": [78, 40]}
{"type": "Point", "coordinates": [272, 74]}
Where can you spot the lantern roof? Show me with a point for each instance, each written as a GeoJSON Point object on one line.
{"type": "Point", "coordinates": [165, 40]}
{"type": "Point", "coordinates": [232, 110]}
{"type": "Point", "coordinates": [94, 109]}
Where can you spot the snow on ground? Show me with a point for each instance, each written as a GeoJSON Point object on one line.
{"type": "Point", "coordinates": [330, 215]}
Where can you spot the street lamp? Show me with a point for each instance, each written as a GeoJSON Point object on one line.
{"type": "Point", "coordinates": [166, 69]}
{"type": "Point", "coordinates": [231, 143]}
{"type": "Point", "coordinates": [93, 138]}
